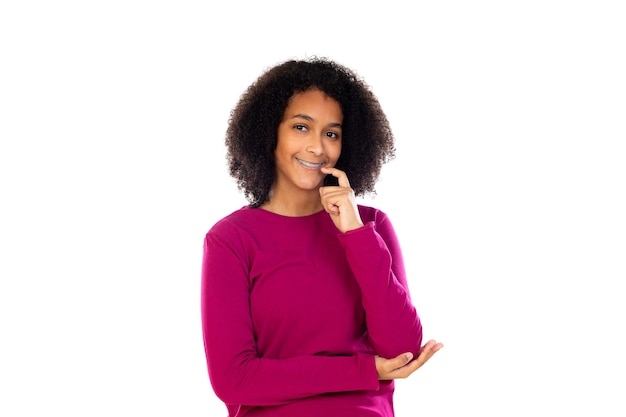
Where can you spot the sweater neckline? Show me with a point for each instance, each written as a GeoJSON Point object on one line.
{"type": "Point", "coordinates": [271, 214]}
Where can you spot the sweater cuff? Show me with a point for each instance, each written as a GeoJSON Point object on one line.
{"type": "Point", "coordinates": [366, 226]}
{"type": "Point", "coordinates": [367, 367]}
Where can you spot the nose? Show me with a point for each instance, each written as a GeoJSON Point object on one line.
{"type": "Point", "coordinates": [315, 144]}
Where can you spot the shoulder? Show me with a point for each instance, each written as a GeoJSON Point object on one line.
{"type": "Point", "coordinates": [233, 224]}
{"type": "Point", "coordinates": [240, 219]}
{"type": "Point", "coordinates": [235, 233]}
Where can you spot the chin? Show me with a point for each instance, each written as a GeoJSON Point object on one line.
{"type": "Point", "coordinates": [309, 186]}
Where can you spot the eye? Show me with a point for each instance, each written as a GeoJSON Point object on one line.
{"type": "Point", "coordinates": [301, 128]}
{"type": "Point", "coordinates": [332, 135]}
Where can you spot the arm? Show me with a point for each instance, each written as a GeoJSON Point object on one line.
{"type": "Point", "coordinates": [375, 257]}
{"type": "Point", "coordinates": [238, 375]}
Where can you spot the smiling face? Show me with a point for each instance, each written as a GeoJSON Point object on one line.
{"type": "Point", "coordinates": [309, 137]}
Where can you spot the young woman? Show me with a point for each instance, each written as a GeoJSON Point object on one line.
{"type": "Point", "coordinates": [306, 309]}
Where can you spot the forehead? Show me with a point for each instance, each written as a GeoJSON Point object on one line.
{"type": "Point", "coordinates": [312, 102]}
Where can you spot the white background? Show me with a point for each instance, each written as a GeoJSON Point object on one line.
{"type": "Point", "coordinates": [508, 193]}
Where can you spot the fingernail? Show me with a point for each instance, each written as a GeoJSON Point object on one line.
{"type": "Point", "coordinates": [409, 356]}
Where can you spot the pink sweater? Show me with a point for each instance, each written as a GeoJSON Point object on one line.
{"type": "Point", "coordinates": [293, 312]}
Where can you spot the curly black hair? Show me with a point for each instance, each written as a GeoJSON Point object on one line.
{"type": "Point", "coordinates": [367, 139]}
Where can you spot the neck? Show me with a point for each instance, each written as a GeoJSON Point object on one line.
{"type": "Point", "coordinates": [301, 204]}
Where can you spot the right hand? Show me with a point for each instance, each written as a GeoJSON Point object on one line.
{"type": "Point", "coordinates": [340, 202]}
{"type": "Point", "coordinates": [402, 366]}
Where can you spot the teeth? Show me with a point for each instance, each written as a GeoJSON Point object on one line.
{"type": "Point", "coordinates": [308, 164]}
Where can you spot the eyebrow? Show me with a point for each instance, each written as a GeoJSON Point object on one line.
{"type": "Point", "coordinates": [309, 118]}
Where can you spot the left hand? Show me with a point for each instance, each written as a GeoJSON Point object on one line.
{"type": "Point", "coordinates": [340, 202]}
{"type": "Point", "coordinates": [402, 366]}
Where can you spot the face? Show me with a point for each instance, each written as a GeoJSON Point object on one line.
{"type": "Point", "coordinates": [309, 137]}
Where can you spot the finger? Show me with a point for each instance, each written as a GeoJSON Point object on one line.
{"type": "Point", "coordinates": [431, 347]}
{"type": "Point", "coordinates": [399, 361]}
{"type": "Point", "coordinates": [339, 174]}
{"type": "Point", "coordinates": [406, 370]}
{"type": "Point", "coordinates": [390, 366]}
{"type": "Point", "coordinates": [416, 364]}
{"type": "Point", "coordinates": [409, 368]}
{"type": "Point", "coordinates": [329, 206]}
{"type": "Point", "coordinates": [427, 351]}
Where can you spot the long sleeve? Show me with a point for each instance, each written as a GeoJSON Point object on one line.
{"type": "Point", "coordinates": [375, 257]}
{"type": "Point", "coordinates": [238, 373]}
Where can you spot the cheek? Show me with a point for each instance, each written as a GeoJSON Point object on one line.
{"type": "Point", "coordinates": [335, 150]}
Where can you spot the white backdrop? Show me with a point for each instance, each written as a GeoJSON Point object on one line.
{"type": "Point", "coordinates": [508, 193]}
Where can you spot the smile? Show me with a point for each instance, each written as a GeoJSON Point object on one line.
{"type": "Point", "coordinates": [308, 164]}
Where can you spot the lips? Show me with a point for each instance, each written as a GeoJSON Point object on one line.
{"type": "Point", "coordinates": [309, 164]}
